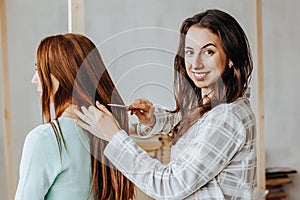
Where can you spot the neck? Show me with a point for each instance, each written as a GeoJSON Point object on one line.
{"type": "Point", "coordinates": [69, 112]}
{"type": "Point", "coordinates": [206, 93]}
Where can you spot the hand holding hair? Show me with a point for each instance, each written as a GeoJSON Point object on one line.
{"type": "Point", "coordinates": [98, 120]}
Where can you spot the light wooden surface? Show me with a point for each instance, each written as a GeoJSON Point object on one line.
{"type": "Point", "coordinates": [260, 100]}
{"type": "Point", "coordinates": [76, 16]}
{"type": "Point", "coordinates": [158, 147]}
{"type": "Point", "coordinates": [139, 195]}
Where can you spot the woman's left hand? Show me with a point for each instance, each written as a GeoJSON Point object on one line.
{"type": "Point", "coordinates": [98, 121]}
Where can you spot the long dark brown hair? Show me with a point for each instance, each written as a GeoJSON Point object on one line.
{"type": "Point", "coordinates": [76, 63]}
{"type": "Point", "coordinates": [233, 81]}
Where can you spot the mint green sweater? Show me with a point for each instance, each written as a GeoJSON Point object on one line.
{"type": "Point", "coordinates": [44, 175]}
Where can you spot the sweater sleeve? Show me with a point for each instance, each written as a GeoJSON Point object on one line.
{"type": "Point", "coordinates": [40, 164]}
{"type": "Point", "coordinates": [208, 148]}
{"type": "Point", "coordinates": [164, 122]}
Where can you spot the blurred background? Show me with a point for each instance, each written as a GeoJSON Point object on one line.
{"type": "Point", "coordinates": [138, 41]}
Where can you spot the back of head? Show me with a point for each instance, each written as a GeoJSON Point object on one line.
{"type": "Point", "coordinates": [62, 57]}
{"type": "Point", "coordinates": [76, 63]}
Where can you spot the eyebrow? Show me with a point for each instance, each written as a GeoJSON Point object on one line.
{"type": "Point", "coordinates": [207, 45]}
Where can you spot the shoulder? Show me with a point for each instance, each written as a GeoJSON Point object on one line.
{"type": "Point", "coordinates": [239, 109]}
{"type": "Point", "coordinates": [233, 117]}
{"type": "Point", "coordinates": [41, 132]}
{"type": "Point", "coordinates": [45, 131]}
{"type": "Point", "coordinates": [41, 140]}
{"type": "Point", "coordinates": [242, 110]}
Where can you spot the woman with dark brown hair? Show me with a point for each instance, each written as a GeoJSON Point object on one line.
{"type": "Point", "coordinates": [55, 163]}
{"type": "Point", "coordinates": [213, 153]}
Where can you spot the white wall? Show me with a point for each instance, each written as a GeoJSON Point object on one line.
{"type": "Point", "coordinates": [125, 31]}
{"type": "Point", "coordinates": [281, 22]}
{"type": "Point", "coordinates": [119, 29]}
{"type": "Point", "coordinates": [138, 40]}
{"type": "Point", "coordinates": [27, 23]}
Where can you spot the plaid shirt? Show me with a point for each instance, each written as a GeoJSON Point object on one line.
{"type": "Point", "coordinates": [215, 159]}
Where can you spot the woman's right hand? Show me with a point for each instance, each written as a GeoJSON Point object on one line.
{"type": "Point", "coordinates": [144, 110]}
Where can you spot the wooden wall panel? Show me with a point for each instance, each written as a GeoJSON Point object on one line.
{"type": "Point", "coordinates": [260, 99]}
{"type": "Point", "coordinates": [76, 16]}
{"type": "Point", "coordinates": [5, 107]}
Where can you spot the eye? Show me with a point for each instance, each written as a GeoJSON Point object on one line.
{"type": "Point", "coordinates": [189, 52]}
{"type": "Point", "coordinates": [208, 52]}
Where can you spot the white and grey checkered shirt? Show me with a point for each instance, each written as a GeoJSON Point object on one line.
{"type": "Point", "coordinates": [215, 159]}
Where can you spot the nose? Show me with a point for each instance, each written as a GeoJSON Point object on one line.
{"type": "Point", "coordinates": [34, 79]}
{"type": "Point", "coordinates": [197, 62]}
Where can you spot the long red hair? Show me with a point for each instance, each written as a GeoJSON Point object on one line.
{"type": "Point", "coordinates": [76, 63]}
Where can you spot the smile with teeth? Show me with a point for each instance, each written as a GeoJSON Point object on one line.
{"type": "Point", "coordinates": [200, 75]}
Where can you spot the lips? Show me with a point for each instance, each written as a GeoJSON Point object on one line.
{"type": "Point", "coordinates": [200, 76]}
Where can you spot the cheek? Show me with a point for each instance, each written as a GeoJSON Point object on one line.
{"type": "Point", "coordinates": [34, 78]}
{"type": "Point", "coordinates": [188, 65]}
{"type": "Point", "coordinates": [36, 81]}
{"type": "Point", "coordinates": [221, 68]}
{"type": "Point", "coordinates": [190, 76]}
{"type": "Point", "coordinates": [212, 62]}
{"type": "Point", "coordinates": [39, 84]}
{"type": "Point", "coordinates": [187, 61]}
{"type": "Point", "coordinates": [221, 63]}
{"type": "Point", "coordinates": [217, 65]}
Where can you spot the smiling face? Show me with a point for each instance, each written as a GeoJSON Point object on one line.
{"type": "Point", "coordinates": [205, 59]}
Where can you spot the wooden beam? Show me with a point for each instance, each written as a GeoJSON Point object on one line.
{"type": "Point", "coordinates": [261, 180]}
{"type": "Point", "coordinates": [76, 16]}
{"type": "Point", "coordinates": [5, 107]}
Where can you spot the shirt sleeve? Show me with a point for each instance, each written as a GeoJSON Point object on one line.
{"type": "Point", "coordinates": [207, 150]}
{"type": "Point", "coordinates": [40, 165]}
{"type": "Point", "coordinates": [164, 122]}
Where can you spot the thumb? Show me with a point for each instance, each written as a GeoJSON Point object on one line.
{"type": "Point", "coordinates": [103, 108]}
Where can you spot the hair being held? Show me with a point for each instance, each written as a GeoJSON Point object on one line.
{"type": "Point", "coordinates": [76, 63]}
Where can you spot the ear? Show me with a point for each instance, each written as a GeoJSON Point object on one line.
{"type": "Point", "coordinates": [230, 63]}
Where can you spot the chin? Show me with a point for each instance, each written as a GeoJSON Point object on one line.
{"type": "Point", "coordinates": [201, 84]}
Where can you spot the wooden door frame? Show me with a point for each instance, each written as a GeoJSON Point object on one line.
{"type": "Point", "coordinates": [5, 106]}
{"type": "Point", "coordinates": [261, 180]}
